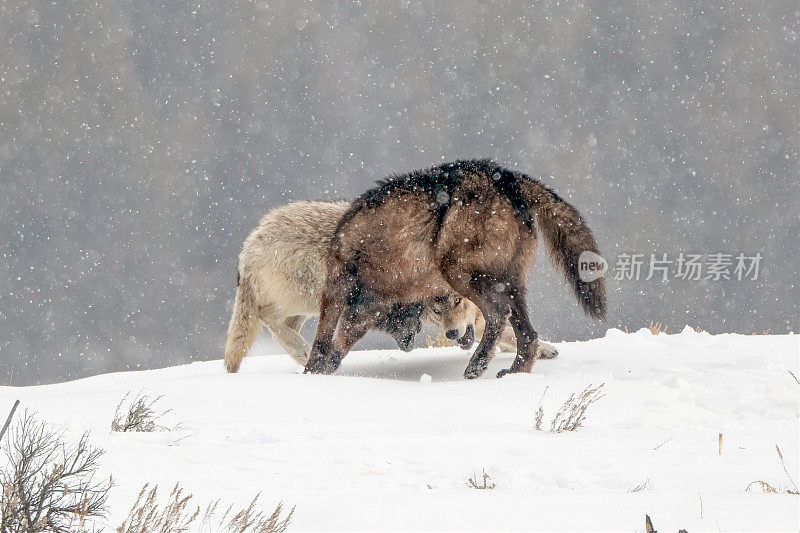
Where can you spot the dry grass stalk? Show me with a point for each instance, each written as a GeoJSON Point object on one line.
{"type": "Point", "coordinates": [139, 415]}
{"type": "Point", "coordinates": [178, 515]}
{"type": "Point", "coordinates": [484, 485]}
{"type": "Point", "coordinates": [657, 327]}
{"type": "Point", "coordinates": [780, 456]}
{"type": "Point", "coordinates": [572, 414]}
{"type": "Point", "coordinates": [769, 489]}
{"type": "Point", "coordinates": [765, 487]}
{"type": "Point", "coordinates": [537, 422]}
{"type": "Point", "coordinates": [147, 517]}
{"type": "Point", "coordinates": [252, 520]}
{"type": "Point", "coordinates": [795, 377]}
{"type": "Point", "coordinates": [48, 485]}
{"type": "Point", "coordinates": [644, 486]}
{"type": "Point", "coordinates": [10, 416]}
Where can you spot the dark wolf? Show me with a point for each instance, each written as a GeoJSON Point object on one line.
{"type": "Point", "coordinates": [470, 227]}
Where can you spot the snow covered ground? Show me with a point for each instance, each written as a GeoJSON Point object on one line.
{"type": "Point", "coordinates": [379, 446]}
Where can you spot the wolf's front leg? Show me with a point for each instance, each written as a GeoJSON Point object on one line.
{"type": "Point", "coordinates": [323, 360]}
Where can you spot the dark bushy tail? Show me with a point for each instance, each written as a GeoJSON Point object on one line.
{"type": "Point", "coordinates": [566, 236]}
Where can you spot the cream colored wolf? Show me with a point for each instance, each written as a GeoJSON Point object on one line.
{"type": "Point", "coordinates": [280, 277]}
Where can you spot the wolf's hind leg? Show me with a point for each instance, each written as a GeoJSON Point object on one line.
{"type": "Point", "coordinates": [527, 338]}
{"type": "Point", "coordinates": [493, 306]}
{"type": "Point", "coordinates": [286, 333]}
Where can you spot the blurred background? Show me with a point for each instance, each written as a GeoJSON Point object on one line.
{"type": "Point", "coordinates": [141, 141]}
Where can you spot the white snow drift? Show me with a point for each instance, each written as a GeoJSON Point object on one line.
{"type": "Point", "coordinates": [389, 441]}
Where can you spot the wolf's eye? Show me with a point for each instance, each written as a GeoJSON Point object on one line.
{"type": "Point", "coordinates": [437, 311]}
{"type": "Point", "coordinates": [458, 301]}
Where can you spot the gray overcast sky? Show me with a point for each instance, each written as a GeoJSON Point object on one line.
{"type": "Point", "coordinates": [140, 142]}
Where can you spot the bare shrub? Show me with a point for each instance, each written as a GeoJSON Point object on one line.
{"type": "Point", "coordinates": [572, 414]}
{"type": "Point", "coordinates": [178, 515]}
{"type": "Point", "coordinates": [657, 327]}
{"type": "Point", "coordinates": [483, 485]}
{"type": "Point", "coordinates": [138, 415]}
{"type": "Point", "coordinates": [48, 485]}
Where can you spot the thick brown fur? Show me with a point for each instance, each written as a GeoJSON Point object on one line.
{"type": "Point", "coordinates": [469, 227]}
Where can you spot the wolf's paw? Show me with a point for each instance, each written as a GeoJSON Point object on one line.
{"type": "Point", "coordinates": [503, 372]}
{"type": "Point", "coordinates": [547, 351]}
{"type": "Point", "coordinates": [320, 365]}
{"type": "Point", "coordinates": [475, 369]}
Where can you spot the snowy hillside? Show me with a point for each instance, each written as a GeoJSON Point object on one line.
{"type": "Point", "coordinates": [389, 442]}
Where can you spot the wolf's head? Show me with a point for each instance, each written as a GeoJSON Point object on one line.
{"type": "Point", "coordinates": [454, 314]}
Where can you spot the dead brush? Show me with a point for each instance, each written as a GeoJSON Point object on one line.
{"type": "Point", "coordinates": [147, 517]}
{"type": "Point", "coordinates": [657, 327]}
{"type": "Point", "coordinates": [765, 487]}
{"type": "Point", "coordinates": [572, 413]}
{"type": "Point", "coordinates": [178, 515]}
{"type": "Point", "coordinates": [484, 484]}
{"type": "Point", "coordinates": [251, 520]}
{"type": "Point", "coordinates": [48, 484]}
{"type": "Point", "coordinates": [440, 341]}
{"type": "Point", "coordinates": [769, 489]}
{"type": "Point", "coordinates": [138, 415]}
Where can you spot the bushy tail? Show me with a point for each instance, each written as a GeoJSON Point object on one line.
{"type": "Point", "coordinates": [566, 236]}
{"type": "Point", "coordinates": [244, 325]}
